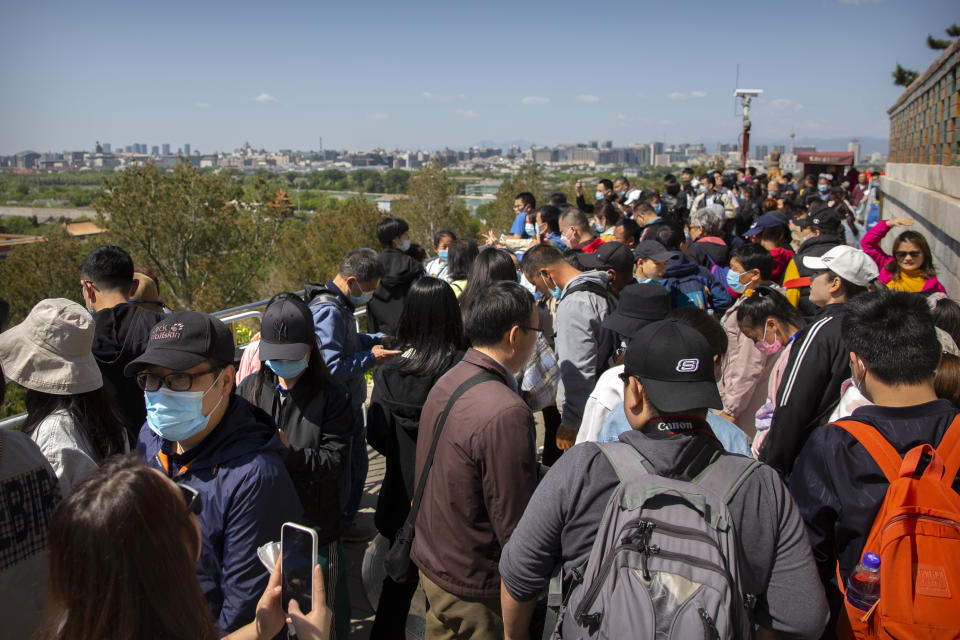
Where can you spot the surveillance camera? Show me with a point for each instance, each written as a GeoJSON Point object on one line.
{"type": "Point", "coordinates": [747, 93]}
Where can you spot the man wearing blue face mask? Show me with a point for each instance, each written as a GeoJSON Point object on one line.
{"type": "Point", "coordinates": [585, 349]}
{"type": "Point", "coordinates": [348, 354]}
{"type": "Point", "coordinates": [202, 435]}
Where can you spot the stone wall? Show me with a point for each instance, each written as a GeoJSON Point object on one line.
{"type": "Point", "coordinates": [930, 195]}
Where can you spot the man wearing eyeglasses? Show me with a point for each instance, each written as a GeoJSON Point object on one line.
{"type": "Point", "coordinates": [485, 469]}
{"type": "Point", "coordinates": [204, 437]}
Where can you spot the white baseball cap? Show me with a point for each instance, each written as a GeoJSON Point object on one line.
{"type": "Point", "coordinates": [853, 265]}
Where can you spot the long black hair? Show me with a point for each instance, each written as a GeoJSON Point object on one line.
{"type": "Point", "coordinates": [765, 303]}
{"type": "Point", "coordinates": [92, 412]}
{"type": "Point", "coordinates": [491, 265]}
{"type": "Point", "coordinates": [460, 256]}
{"type": "Point", "coordinates": [430, 324]}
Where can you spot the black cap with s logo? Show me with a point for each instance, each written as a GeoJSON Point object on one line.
{"type": "Point", "coordinates": [674, 362]}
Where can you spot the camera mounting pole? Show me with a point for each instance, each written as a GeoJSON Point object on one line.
{"type": "Point", "coordinates": [745, 96]}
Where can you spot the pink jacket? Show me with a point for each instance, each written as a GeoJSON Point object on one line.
{"type": "Point", "coordinates": [871, 245]}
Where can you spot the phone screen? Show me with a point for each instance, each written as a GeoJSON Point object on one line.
{"type": "Point", "coordinates": [297, 567]}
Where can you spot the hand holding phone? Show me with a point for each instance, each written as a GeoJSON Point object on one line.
{"type": "Point", "coordinates": [298, 553]}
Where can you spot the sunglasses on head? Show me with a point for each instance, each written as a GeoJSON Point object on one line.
{"type": "Point", "coordinates": [192, 499]}
{"type": "Point", "coordinates": [899, 255]}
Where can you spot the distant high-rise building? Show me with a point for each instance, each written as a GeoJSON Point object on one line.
{"type": "Point", "coordinates": [155, 150]}
{"type": "Point", "coordinates": [760, 151]}
{"type": "Point", "coordinates": [781, 149]}
{"type": "Point", "coordinates": [129, 149]}
{"type": "Point", "coordinates": [606, 144]}
{"type": "Point", "coordinates": [854, 146]}
{"type": "Point", "coordinates": [592, 144]}
{"type": "Point", "coordinates": [166, 149]}
{"type": "Point", "coordinates": [186, 149]}
{"type": "Point", "coordinates": [107, 148]}
{"type": "Point", "coordinates": [143, 148]}
{"type": "Point", "coordinates": [657, 148]}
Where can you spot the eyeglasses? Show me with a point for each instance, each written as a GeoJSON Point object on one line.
{"type": "Point", "coordinates": [173, 381]}
{"type": "Point", "coordinates": [192, 499]}
{"type": "Point", "coordinates": [900, 255]}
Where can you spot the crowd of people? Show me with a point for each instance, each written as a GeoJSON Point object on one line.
{"type": "Point", "coordinates": [733, 377]}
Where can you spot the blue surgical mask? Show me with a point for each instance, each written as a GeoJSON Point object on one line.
{"type": "Point", "coordinates": [824, 196]}
{"type": "Point", "coordinates": [733, 281]}
{"type": "Point", "coordinates": [177, 415]}
{"type": "Point", "coordinates": [403, 246]}
{"type": "Point", "coordinates": [823, 188]}
{"type": "Point", "coordinates": [599, 195]}
{"type": "Point", "coordinates": [361, 299]}
{"type": "Point", "coordinates": [702, 188]}
{"type": "Point", "coordinates": [287, 368]}
{"type": "Point", "coordinates": [556, 293]}
{"type": "Point", "coordinates": [623, 192]}
{"type": "Point", "coordinates": [442, 254]}
{"type": "Point", "coordinates": [656, 208]}
{"type": "Point", "coordinates": [530, 229]}
{"type": "Point", "coordinates": [598, 228]}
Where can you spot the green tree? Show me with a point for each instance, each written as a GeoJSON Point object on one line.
{"type": "Point", "coordinates": [207, 249]}
{"type": "Point", "coordinates": [500, 215]}
{"type": "Point", "coordinates": [312, 252]}
{"type": "Point", "coordinates": [936, 44]}
{"type": "Point", "coordinates": [49, 268]}
{"type": "Point", "coordinates": [904, 77]}
{"type": "Point", "coordinates": [433, 205]}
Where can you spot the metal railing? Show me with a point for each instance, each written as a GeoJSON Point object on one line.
{"type": "Point", "coordinates": [229, 317]}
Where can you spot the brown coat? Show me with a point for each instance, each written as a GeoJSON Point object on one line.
{"type": "Point", "coordinates": [484, 472]}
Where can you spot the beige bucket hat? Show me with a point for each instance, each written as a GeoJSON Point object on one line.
{"type": "Point", "coordinates": [50, 350]}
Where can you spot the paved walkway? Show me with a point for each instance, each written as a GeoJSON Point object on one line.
{"type": "Point", "coordinates": [362, 616]}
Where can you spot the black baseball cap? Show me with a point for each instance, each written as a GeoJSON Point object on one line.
{"type": "Point", "coordinates": [653, 250]}
{"type": "Point", "coordinates": [611, 255]}
{"type": "Point", "coordinates": [674, 362]}
{"type": "Point", "coordinates": [826, 219]}
{"type": "Point", "coordinates": [640, 304]}
{"type": "Point", "coordinates": [286, 330]}
{"type": "Point", "coordinates": [183, 340]}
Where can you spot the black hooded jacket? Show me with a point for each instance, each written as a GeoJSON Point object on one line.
{"type": "Point", "coordinates": [399, 272]}
{"type": "Point", "coordinates": [317, 421]}
{"type": "Point", "coordinates": [120, 336]}
{"type": "Point", "coordinates": [393, 420]}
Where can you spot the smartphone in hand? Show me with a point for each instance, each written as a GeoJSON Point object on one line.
{"type": "Point", "coordinates": [298, 551]}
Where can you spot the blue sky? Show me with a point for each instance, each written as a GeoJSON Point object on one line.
{"type": "Point", "coordinates": [429, 74]}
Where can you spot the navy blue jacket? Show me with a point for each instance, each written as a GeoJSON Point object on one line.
{"type": "Point", "coordinates": [680, 268]}
{"type": "Point", "coordinates": [247, 495]}
{"type": "Point", "coordinates": [839, 488]}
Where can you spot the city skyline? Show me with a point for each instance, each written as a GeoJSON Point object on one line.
{"type": "Point", "coordinates": [429, 74]}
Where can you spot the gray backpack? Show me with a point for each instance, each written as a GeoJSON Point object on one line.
{"type": "Point", "coordinates": [664, 563]}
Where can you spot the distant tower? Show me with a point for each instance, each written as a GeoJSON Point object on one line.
{"type": "Point", "coordinates": [321, 145]}
{"type": "Point", "coordinates": [792, 139]}
{"type": "Point", "coordinates": [854, 146]}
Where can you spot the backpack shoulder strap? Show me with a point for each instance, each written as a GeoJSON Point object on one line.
{"type": "Point", "coordinates": [876, 445]}
{"type": "Point", "coordinates": [949, 450]}
{"type": "Point", "coordinates": [624, 459]}
{"type": "Point", "coordinates": [726, 475]}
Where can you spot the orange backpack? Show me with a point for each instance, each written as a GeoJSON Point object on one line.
{"type": "Point", "coordinates": [917, 535]}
